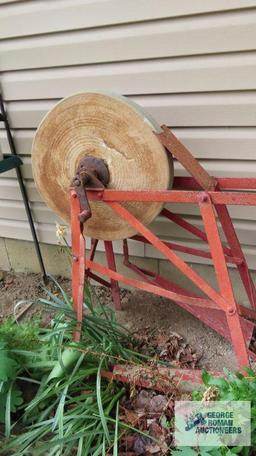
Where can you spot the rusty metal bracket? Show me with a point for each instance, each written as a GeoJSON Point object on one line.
{"type": "Point", "coordinates": [91, 173]}
{"type": "Point", "coordinates": [184, 156]}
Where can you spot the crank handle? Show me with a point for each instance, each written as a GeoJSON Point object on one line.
{"type": "Point", "coordinates": [85, 215]}
{"type": "Point", "coordinates": [85, 210]}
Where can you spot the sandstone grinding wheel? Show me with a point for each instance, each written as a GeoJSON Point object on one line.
{"type": "Point", "coordinates": [114, 129]}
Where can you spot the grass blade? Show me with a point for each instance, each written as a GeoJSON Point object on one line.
{"type": "Point", "coordinates": [80, 446]}
{"type": "Point", "coordinates": [104, 446]}
{"type": "Point", "coordinates": [64, 294]}
{"type": "Point", "coordinates": [99, 402]}
{"type": "Point", "coordinates": [58, 419]}
{"type": "Point", "coordinates": [115, 449]}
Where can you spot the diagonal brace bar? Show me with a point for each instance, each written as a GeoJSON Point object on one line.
{"type": "Point", "coordinates": [170, 255]}
{"type": "Point", "coordinates": [180, 221]}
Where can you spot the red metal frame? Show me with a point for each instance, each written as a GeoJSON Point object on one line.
{"type": "Point", "coordinates": [218, 309]}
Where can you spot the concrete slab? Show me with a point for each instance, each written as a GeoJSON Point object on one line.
{"type": "Point", "coordinates": [57, 262]}
{"type": "Point", "coordinates": [23, 257]}
{"type": "Point", "coordinates": [4, 260]}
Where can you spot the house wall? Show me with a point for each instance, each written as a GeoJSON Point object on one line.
{"type": "Point", "coordinates": [191, 64]}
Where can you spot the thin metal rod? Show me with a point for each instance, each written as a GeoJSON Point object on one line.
{"type": "Point", "coordinates": [23, 192]}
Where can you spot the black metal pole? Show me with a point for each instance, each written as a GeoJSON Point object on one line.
{"type": "Point", "coordinates": [23, 191]}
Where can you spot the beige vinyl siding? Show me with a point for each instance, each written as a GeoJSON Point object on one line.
{"type": "Point", "coordinates": [230, 32]}
{"type": "Point", "coordinates": [49, 16]}
{"type": "Point", "coordinates": [191, 64]}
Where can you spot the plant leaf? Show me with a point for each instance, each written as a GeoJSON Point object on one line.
{"type": "Point", "coordinates": [206, 377]}
{"type": "Point", "coordinates": [186, 451]}
{"type": "Point", "coordinates": [8, 412]}
{"type": "Point", "coordinates": [8, 366]}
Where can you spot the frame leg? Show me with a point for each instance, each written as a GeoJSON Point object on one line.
{"type": "Point", "coordinates": [236, 250]}
{"type": "Point", "coordinates": [224, 282]}
{"type": "Point", "coordinates": [93, 249]}
{"type": "Point", "coordinates": [112, 265]}
{"type": "Point", "coordinates": [78, 261]}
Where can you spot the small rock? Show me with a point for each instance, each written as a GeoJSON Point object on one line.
{"type": "Point", "coordinates": [140, 444]}
{"type": "Point", "coordinates": [143, 400]}
{"type": "Point", "coordinates": [158, 403]}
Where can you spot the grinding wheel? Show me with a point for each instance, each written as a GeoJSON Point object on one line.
{"type": "Point", "coordinates": [111, 128]}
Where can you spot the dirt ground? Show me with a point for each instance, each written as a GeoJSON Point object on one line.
{"type": "Point", "coordinates": [141, 311]}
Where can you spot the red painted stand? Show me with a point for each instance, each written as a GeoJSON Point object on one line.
{"type": "Point", "coordinates": [217, 309]}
